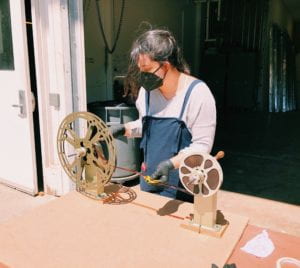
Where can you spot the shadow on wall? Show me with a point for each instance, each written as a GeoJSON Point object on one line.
{"type": "Point", "coordinates": [262, 154]}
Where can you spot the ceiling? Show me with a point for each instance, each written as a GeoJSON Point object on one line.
{"type": "Point", "coordinates": [294, 8]}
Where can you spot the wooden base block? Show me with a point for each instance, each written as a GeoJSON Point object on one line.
{"type": "Point", "coordinates": [217, 232]}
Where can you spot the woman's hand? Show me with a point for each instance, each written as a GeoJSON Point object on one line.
{"type": "Point", "coordinates": [117, 130]}
{"type": "Point", "coordinates": [162, 171]}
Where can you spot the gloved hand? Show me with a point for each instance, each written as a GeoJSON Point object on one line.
{"type": "Point", "coordinates": [162, 171]}
{"type": "Point", "coordinates": [117, 130]}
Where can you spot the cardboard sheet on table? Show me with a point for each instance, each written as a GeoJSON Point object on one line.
{"type": "Point", "coordinates": [75, 231]}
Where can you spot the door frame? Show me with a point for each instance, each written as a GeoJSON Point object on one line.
{"type": "Point", "coordinates": [77, 49]}
{"type": "Point", "coordinates": [58, 38]}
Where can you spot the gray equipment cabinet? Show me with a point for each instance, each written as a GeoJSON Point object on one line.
{"type": "Point", "coordinates": [127, 149]}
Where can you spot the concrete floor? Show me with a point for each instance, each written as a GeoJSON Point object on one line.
{"type": "Point", "coordinates": [265, 213]}
{"type": "Point", "coordinates": [15, 203]}
{"type": "Point", "coordinates": [262, 154]}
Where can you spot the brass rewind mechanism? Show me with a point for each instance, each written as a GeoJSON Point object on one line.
{"type": "Point", "coordinates": [202, 176]}
{"type": "Point", "coordinates": [87, 152]}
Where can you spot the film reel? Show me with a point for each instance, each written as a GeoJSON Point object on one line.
{"type": "Point", "coordinates": [200, 173]}
{"type": "Point", "coordinates": [86, 152]}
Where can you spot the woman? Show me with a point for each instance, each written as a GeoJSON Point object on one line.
{"type": "Point", "coordinates": [177, 112]}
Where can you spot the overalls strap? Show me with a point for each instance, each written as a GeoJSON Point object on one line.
{"type": "Point", "coordinates": [187, 96]}
{"type": "Point", "coordinates": [147, 101]}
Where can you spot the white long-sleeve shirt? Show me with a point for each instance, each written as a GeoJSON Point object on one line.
{"type": "Point", "coordinates": [199, 115]}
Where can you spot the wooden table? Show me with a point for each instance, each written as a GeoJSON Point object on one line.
{"type": "Point", "coordinates": [75, 231]}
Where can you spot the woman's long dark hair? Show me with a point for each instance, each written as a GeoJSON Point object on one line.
{"type": "Point", "coordinates": [160, 46]}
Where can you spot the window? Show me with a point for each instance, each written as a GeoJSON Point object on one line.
{"type": "Point", "coordinates": [6, 47]}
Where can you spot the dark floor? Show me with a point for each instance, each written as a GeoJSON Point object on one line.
{"type": "Point", "coordinates": [262, 154]}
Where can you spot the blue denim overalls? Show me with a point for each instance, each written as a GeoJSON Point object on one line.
{"type": "Point", "coordinates": [164, 137]}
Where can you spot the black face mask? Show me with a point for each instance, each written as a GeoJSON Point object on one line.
{"type": "Point", "coordinates": [150, 81]}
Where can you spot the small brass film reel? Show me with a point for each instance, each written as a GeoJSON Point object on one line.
{"type": "Point", "coordinates": [201, 174]}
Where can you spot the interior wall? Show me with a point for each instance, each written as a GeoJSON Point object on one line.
{"type": "Point", "coordinates": [175, 15]}
{"type": "Point", "coordinates": [297, 48]}
{"type": "Point", "coordinates": [296, 36]}
{"type": "Point", "coordinates": [281, 16]}
{"type": "Point", "coordinates": [298, 80]}
{"type": "Point", "coordinates": [233, 64]}
{"type": "Point", "coordinates": [95, 50]}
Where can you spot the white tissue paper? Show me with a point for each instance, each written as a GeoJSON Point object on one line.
{"type": "Point", "coordinates": [260, 246]}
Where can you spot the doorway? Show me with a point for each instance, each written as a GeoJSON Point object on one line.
{"type": "Point", "coordinates": [33, 84]}
{"type": "Point", "coordinates": [248, 62]}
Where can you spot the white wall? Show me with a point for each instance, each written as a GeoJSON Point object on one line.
{"type": "Point", "coordinates": [172, 14]}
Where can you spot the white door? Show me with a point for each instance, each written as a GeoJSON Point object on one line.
{"type": "Point", "coordinates": [17, 149]}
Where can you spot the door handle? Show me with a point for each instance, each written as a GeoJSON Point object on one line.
{"type": "Point", "coordinates": [33, 101]}
{"type": "Point", "coordinates": [22, 104]}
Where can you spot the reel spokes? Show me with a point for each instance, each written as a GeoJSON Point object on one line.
{"type": "Point", "coordinates": [200, 173]}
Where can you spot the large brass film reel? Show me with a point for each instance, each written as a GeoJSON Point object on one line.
{"type": "Point", "coordinates": [87, 152]}
{"type": "Point", "coordinates": [201, 173]}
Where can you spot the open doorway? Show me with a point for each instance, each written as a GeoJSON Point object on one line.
{"type": "Point", "coordinates": [110, 28]}
{"type": "Point", "coordinates": [249, 62]}
{"type": "Point", "coordinates": [252, 77]}
{"type": "Point", "coordinates": [33, 84]}
{"type": "Point", "coordinates": [112, 25]}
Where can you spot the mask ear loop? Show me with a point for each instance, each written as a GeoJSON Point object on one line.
{"type": "Point", "coordinates": [161, 64]}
